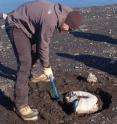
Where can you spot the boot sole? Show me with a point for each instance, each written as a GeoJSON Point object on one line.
{"type": "Point", "coordinates": [35, 118]}
{"type": "Point", "coordinates": [30, 119]}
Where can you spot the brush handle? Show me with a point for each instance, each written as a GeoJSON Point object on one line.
{"type": "Point", "coordinates": [54, 88]}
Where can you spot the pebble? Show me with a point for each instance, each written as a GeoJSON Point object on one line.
{"type": "Point", "coordinates": [76, 67]}
{"type": "Point", "coordinates": [2, 26]}
{"type": "Point", "coordinates": [76, 54]}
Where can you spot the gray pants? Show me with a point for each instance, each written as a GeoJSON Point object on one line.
{"type": "Point", "coordinates": [22, 49]}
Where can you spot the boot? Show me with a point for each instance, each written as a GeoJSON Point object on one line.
{"type": "Point", "coordinates": [27, 114]}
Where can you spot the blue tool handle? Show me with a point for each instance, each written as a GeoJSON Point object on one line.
{"type": "Point", "coordinates": [54, 88]}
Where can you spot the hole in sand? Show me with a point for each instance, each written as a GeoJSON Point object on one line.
{"type": "Point", "coordinates": [105, 101]}
{"type": "Point", "coordinates": [105, 97]}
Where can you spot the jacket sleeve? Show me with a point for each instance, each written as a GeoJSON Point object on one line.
{"type": "Point", "coordinates": [45, 37]}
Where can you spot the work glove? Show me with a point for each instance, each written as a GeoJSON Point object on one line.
{"type": "Point", "coordinates": [48, 72]}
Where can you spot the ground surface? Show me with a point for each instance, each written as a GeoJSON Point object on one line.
{"type": "Point", "coordinates": [73, 56]}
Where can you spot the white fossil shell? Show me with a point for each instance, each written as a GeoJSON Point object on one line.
{"type": "Point", "coordinates": [87, 102]}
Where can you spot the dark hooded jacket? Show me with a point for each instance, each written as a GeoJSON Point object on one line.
{"type": "Point", "coordinates": [39, 18]}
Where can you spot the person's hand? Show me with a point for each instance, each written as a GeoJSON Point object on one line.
{"type": "Point", "coordinates": [48, 72]}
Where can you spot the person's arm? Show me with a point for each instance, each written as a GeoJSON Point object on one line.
{"type": "Point", "coordinates": [45, 37]}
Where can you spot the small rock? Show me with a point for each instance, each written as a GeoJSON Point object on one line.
{"type": "Point", "coordinates": [91, 78]}
{"type": "Point", "coordinates": [76, 54]}
{"type": "Point", "coordinates": [76, 67]}
{"type": "Point", "coordinates": [103, 122]}
{"type": "Point", "coordinates": [2, 26]}
{"type": "Point", "coordinates": [83, 28]}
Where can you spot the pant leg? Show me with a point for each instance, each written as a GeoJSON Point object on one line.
{"type": "Point", "coordinates": [23, 49]}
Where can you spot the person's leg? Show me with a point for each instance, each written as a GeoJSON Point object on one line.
{"type": "Point", "coordinates": [22, 46]}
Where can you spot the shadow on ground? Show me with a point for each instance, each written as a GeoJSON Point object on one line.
{"type": "Point", "coordinates": [6, 102]}
{"type": "Point", "coordinates": [7, 72]}
{"type": "Point", "coordinates": [103, 64]}
{"type": "Point", "coordinates": [95, 37]}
